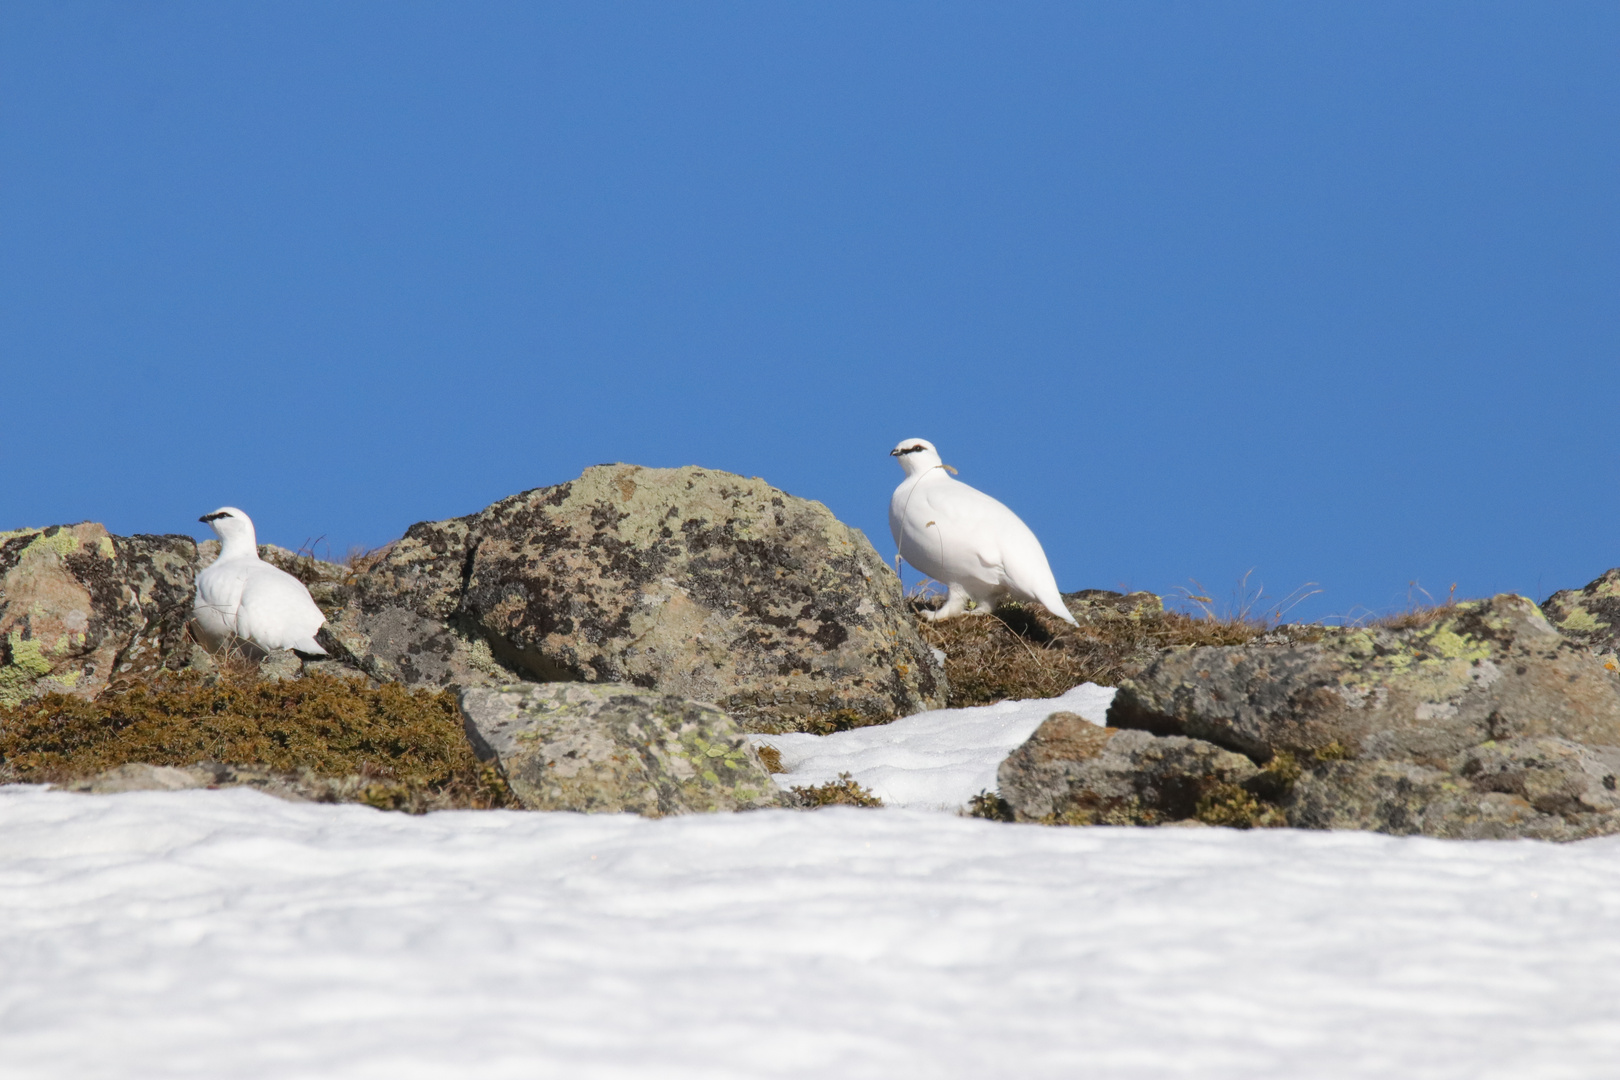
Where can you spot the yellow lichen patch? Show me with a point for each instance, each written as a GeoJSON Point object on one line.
{"type": "Point", "coordinates": [1446, 643]}
{"type": "Point", "coordinates": [63, 542]}
{"type": "Point", "coordinates": [1581, 621]}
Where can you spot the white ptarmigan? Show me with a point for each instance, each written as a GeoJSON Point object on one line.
{"type": "Point", "coordinates": [240, 597]}
{"type": "Point", "coordinates": [961, 537]}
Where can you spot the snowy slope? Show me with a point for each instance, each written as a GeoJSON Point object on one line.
{"type": "Point", "coordinates": [226, 934]}
{"type": "Point", "coordinates": [934, 760]}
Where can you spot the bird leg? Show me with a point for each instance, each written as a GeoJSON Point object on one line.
{"type": "Point", "coordinates": [956, 601]}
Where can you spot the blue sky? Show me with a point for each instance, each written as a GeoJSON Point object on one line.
{"type": "Point", "coordinates": [1329, 291]}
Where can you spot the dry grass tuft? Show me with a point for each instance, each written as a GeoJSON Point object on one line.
{"type": "Point", "coordinates": [1026, 652]}
{"type": "Point", "coordinates": [406, 746]}
{"type": "Point", "coordinates": [771, 758]}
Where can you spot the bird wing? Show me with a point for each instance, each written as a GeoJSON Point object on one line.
{"type": "Point", "coordinates": [219, 597]}
{"type": "Point", "coordinates": [951, 531]}
{"type": "Point", "coordinates": [277, 612]}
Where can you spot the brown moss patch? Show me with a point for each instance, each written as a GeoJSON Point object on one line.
{"type": "Point", "coordinates": [841, 792]}
{"type": "Point", "coordinates": [391, 746]}
{"type": "Point", "coordinates": [1024, 652]}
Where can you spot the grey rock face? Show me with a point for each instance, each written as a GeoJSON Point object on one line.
{"type": "Point", "coordinates": [701, 584]}
{"type": "Point", "coordinates": [612, 748]}
{"type": "Point", "coordinates": [1485, 723]}
{"type": "Point", "coordinates": [79, 607]}
{"type": "Point", "coordinates": [1590, 616]}
{"type": "Point", "coordinates": [691, 582]}
{"type": "Point", "coordinates": [1073, 772]}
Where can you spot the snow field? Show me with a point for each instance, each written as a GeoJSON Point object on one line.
{"type": "Point", "coordinates": [225, 933]}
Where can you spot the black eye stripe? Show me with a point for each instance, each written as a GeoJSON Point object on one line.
{"type": "Point", "coordinates": [913, 449]}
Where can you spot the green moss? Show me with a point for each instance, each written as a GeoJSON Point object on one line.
{"type": "Point", "coordinates": [407, 744]}
{"type": "Point", "coordinates": [1333, 751]}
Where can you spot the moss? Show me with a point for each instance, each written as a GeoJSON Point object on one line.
{"type": "Point", "coordinates": [990, 806]}
{"type": "Point", "coordinates": [1333, 751]}
{"type": "Point", "coordinates": [408, 745]}
{"type": "Point", "coordinates": [841, 792]}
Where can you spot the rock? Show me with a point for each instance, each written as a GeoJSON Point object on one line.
{"type": "Point", "coordinates": [1590, 616]}
{"type": "Point", "coordinates": [1072, 772]}
{"type": "Point", "coordinates": [612, 748]}
{"type": "Point", "coordinates": [79, 606]}
{"type": "Point", "coordinates": [692, 582]}
{"type": "Point", "coordinates": [1492, 669]}
{"type": "Point", "coordinates": [143, 778]}
{"type": "Point", "coordinates": [1485, 723]}
{"type": "Point", "coordinates": [1102, 605]}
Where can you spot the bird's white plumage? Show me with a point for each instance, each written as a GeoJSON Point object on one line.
{"type": "Point", "coordinates": [242, 598]}
{"type": "Point", "coordinates": [958, 535]}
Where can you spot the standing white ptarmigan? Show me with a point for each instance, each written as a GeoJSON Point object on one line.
{"type": "Point", "coordinates": [242, 598]}
{"type": "Point", "coordinates": [961, 537]}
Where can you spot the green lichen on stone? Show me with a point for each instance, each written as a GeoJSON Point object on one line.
{"type": "Point", "coordinates": [1446, 644]}
{"type": "Point", "coordinates": [28, 663]}
{"type": "Point", "coordinates": [60, 544]}
{"type": "Point", "coordinates": [1581, 621]}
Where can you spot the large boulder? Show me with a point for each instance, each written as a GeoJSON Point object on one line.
{"type": "Point", "coordinates": [613, 748]}
{"type": "Point", "coordinates": [80, 607]}
{"type": "Point", "coordinates": [1486, 722]}
{"type": "Point", "coordinates": [1590, 616]}
{"type": "Point", "coordinates": [691, 582]}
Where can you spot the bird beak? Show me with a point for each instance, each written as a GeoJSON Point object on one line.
{"type": "Point", "coordinates": [895, 452]}
{"type": "Point", "coordinates": [203, 519]}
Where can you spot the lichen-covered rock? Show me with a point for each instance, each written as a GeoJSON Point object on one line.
{"type": "Point", "coordinates": [701, 584]}
{"type": "Point", "coordinates": [612, 748]}
{"type": "Point", "coordinates": [1590, 616]}
{"type": "Point", "coordinates": [1493, 669]}
{"type": "Point", "coordinates": [1073, 772]}
{"type": "Point", "coordinates": [79, 606]}
{"type": "Point", "coordinates": [1533, 788]}
{"type": "Point", "coordinates": [1103, 605]}
{"type": "Point", "coordinates": [1485, 723]}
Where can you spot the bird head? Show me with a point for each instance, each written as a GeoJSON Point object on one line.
{"type": "Point", "coordinates": [916, 456]}
{"type": "Point", "coordinates": [232, 527]}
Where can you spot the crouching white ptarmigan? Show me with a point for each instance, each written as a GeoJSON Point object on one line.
{"type": "Point", "coordinates": [242, 598]}
{"type": "Point", "coordinates": [961, 537]}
